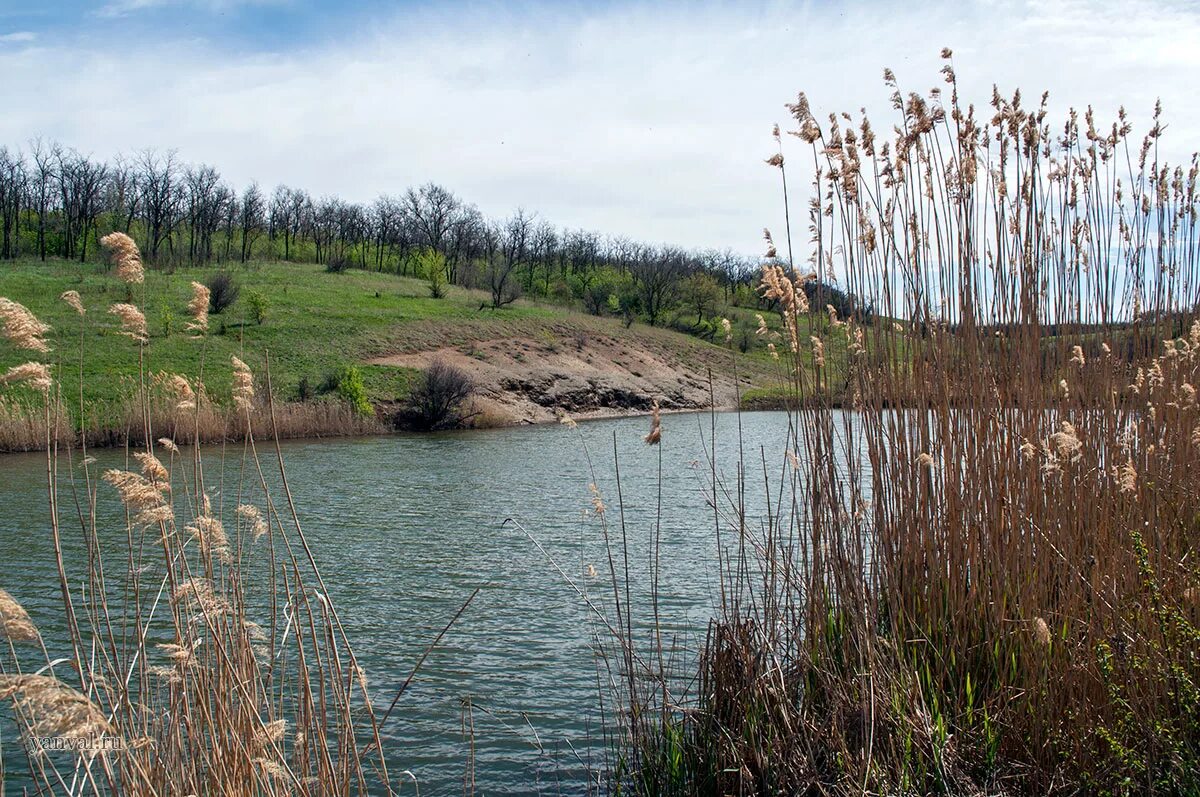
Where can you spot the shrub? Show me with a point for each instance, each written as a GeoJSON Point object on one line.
{"type": "Point", "coordinates": [338, 264]}
{"type": "Point", "coordinates": [351, 389]}
{"type": "Point", "coordinates": [222, 292]}
{"type": "Point", "coordinates": [438, 400]}
{"type": "Point", "coordinates": [431, 264]}
{"type": "Point", "coordinates": [598, 291]}
{"type": "Point", "coordinates": [166, 320]}
{"type": "Point", "coordinates": [258, 306]}
{"type": "Point", "coordinates": [629, 303]}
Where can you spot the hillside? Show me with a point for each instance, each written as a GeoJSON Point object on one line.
{"type": "Point", "coordinates": [528, 360]}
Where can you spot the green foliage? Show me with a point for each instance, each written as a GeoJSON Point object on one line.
{"type": "Point", "coordinates": [318, 323]}
{"type": "Point", "coordinates": [599, 290]}
{"type": "Point", "coordinates": [701, 294]}
{"type": "Point", "coordinates": [353, 391]}
{"type": "Point", "coordinates": [257, 302]}
{"type": "Point", "coordinates": [166, 321]}
{"type": "Point", "coordinates": [629, 303]}
{"type": "Point", "coordinates": [431, 266]}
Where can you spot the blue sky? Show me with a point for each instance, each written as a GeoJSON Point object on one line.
{"type": "Point", "coordinates": [231, 26]}
{"type": "Point", "coordinates": [643, 119]}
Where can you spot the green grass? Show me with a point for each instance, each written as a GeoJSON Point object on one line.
{"type": "Point", "coordinates": [316, 322]}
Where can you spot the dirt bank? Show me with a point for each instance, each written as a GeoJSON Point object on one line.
{"type": "Point", "coordinates": [525, 380]}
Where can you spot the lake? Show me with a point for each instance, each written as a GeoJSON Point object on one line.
{"type": "Point", "coordinates": [404, 529]}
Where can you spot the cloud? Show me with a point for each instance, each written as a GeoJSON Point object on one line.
{"type": "Point", "coordinates": [645, 120]}
{"type": "Point", "coordinates": [18, 37]}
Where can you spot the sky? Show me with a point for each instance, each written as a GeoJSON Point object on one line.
{"type": "Point", "coordinates": [648, 120]}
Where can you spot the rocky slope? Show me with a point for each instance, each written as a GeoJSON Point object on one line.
{"type": "Point", "coordinates": [529, 380]}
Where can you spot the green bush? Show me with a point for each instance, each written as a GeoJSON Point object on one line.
{"type": "Point", "coordinates": [352, 390]}
{"type": "Point", "coordinates": [431, 264]}
{"type": "Point", "coordinates": [166, 320]}
{"type": "Point", "coordinates": [258, 306]}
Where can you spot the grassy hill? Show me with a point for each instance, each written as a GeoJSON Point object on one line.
{"type": "Point", "coordinates": [315, 324]}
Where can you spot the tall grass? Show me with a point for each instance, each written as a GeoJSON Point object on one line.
{"type": "Point", "coordinates": [982, 575]}
{"type": "Point", "coordinates": [200, 652]}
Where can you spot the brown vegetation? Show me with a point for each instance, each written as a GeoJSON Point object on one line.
{"type": "Point", "coordinates": [201, 652]}
{"type": "Point", "coordinates": [993, 592]}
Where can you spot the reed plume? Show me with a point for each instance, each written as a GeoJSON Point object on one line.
{"type": "Point", "coordinates": [74, 301]}
{"type": "Point", "coordinates": [133, 322]}
{"type": "Point", "coordinates": [22, 327]}
{"type": "Point", "coordinates": [124, 254]}
{"type": "Point", "coordinates": [198, 309]}
{"type": "Point", "coordinates": [243, 385]}
{"type": "Point", "coordinates": [655, 434]}
{"type": "Point", "coordinates": [15, 624]}
{"type": "Point", "coordinates": [35, 375]}
{"type": "Point", "coordinates": [53, 708]}
{"type": "Point", "coordinates": [977, 574]}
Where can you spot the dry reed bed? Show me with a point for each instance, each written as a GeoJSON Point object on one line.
{"type": "Point", "coordinates": [998, 592]}
{"type": "Point", "coordinates": [202, 649]}
{"type": "Point", "coordinates": [22, 426]}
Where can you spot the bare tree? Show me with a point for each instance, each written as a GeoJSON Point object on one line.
{"type": "Point", "coordinates": [203, 210]}
{"type": "Point", "coordinates": [253, 217]}
{"type": "Point", "coordinates": [513, 237]}
{"type": "Point", "coordinates": [439, 399]}
{"type": "Point", "coordinates": [281, 218]}
{"type": "Point", "coordinates": [158, 180]}
{"type": "Point", "coordinates": [465, 245]}
{"type": "Point", "coordinates": [230, 211]}
{"type": "Point", "coordinates": [44, 157]}
{"type": "Point", "coordinates": [12, 198]}
{"type": "Point", "coordinates": [657, 272]}
{"type": "Point", "coordinates": [432, 210]}
{"type": "Point", "coordinates": [123, 195]}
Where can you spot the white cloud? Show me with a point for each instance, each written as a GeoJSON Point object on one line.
{"type": "Point", "coordinates": [18, 37]}
{"type": "Point", "coordinates": [633, 120]}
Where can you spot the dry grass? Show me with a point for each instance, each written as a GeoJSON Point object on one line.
{"type": "Point", "coordinates": [23, 427]}
{"type": "Point", "coordinates": [993, 590]}
{"type": "Point", "coordinates": [200, 646]}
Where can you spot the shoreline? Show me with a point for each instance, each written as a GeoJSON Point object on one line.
{"type": "Point", "coordinates": [111, 438]}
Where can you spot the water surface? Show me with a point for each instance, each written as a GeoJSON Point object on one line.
{"type": "Point", "coordinates": [406, 527]}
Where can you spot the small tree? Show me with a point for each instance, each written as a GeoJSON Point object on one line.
{"type": "Point", "coordinates": [222, 292]}
{"type": "Point", "coordinates": [701, 294]}
{"type": "Point", "coordinates": [431, 264]}
{"type": "Point", "coordinates": [258, 306]}
{"type": "Point", "coordinates": [438, 400]}
{"type": "Point", "coordinates": [353, 391]}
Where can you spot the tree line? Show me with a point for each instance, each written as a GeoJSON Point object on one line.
{"type": "Point", "coordinates": [56, 202]}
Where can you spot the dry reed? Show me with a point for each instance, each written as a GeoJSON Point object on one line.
{"type": "Point", "coordinates": [981, 577]}
{"type": "Point", "coordinates": [205, 660]}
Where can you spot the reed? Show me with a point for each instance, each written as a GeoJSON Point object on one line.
{"type": "Point", "coordinates": [198, 651]}
{"type": "Point", "coordinates": [980, 576]}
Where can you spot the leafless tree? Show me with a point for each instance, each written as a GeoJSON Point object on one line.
{"type": "Point", "coordinates": [203, 186]}
{"type": "Point", "coordinates": [657, 273]}
{"type": "Point", "coordinates": [253, 218]}
{"type": "Point", "coordinates": [439, 400]}
{"type": "Point", "coordinates": [158, 179]}
{"type": "Point", "coordinates": [123, 195]}
{"type": "Point", "coordinates": [12, 196]}
{"type": "Point", "coordinates": [512, 238]}
{"type": "Point", "coordinates": [42, 186]}
{"type": "Point", "coordinates": [432, 210]}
